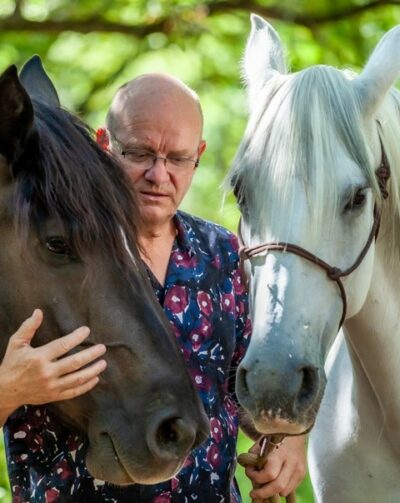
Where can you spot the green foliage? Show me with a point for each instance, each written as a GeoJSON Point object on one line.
{"type": "Point", "coordinates": [4, 486]}
{"type": "Point", "coordinates": [91, 47]}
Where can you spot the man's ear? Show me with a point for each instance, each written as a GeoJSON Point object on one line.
{"type": "Point", "coordinates": [201, 149]}
{"type": "Point", "coordinates": [103, 138]}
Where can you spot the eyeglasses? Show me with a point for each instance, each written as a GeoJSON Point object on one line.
{"type": "Point", "coordinates": [144, 159]}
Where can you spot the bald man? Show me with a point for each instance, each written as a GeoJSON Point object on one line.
{"type": "Point", "coordinates": [154, 127]}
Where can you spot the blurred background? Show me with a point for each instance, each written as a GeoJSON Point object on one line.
{"type": "Point", "coordinates": [91, 47]}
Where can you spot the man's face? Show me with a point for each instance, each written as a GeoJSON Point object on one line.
{"type": "Point", "coordinates": [166, 131]}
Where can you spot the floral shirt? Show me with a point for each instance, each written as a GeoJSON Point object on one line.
{"type": "Point", "coordinates": [206, 303]}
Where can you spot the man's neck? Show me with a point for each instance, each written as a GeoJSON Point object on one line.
{"type": "Point", "coordinates": [156, 243]}
{"type": "Point", "coordinates": [151, 234]}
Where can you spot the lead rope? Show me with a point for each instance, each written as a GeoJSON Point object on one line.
{"type": "Point", "coordinates": [268, 444]}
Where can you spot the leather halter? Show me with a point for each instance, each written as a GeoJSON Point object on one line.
{"type": "Point", "coordinates": [333, 273]}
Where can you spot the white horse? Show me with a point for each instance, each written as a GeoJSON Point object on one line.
{"type": "Point", "coordinates": [311, 175]}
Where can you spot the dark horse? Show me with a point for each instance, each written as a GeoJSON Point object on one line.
{"type": "Point", "coordinates": [68, 246]}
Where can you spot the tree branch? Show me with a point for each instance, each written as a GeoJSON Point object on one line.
{"type": "Point", "coordinates": [291, 16]}
{"type": "Point", "coordinates": [17, 23]}
{"type": "Point", "coordinates": [168, 24]}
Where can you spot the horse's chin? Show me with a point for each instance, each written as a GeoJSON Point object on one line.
{"type": "Point", "coordinates": [118, 471]}
{"type": "Point", "coordinates": [267, 424]}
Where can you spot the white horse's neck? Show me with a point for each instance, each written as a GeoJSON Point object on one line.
{"type": "Point", "coordinates": [374, 342]}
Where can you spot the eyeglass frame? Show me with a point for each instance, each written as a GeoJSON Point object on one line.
{"type": "Point", "coordinates": [123, 151]}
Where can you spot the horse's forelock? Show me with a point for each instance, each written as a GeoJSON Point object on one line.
{"type": "Point", "coordinates": [63, 173]}
{"type": "Point", "coordinates": [295, 135]}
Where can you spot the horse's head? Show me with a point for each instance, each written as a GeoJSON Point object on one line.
{"type": "Point", "coordinates": [305, 177]}
{"type": "Point", "coordinates": [68, 246]}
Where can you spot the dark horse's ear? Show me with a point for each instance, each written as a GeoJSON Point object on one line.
{"type": "Point", "coordinates": [38, 84]}
{"type": "Point", "coordinates": [16, 114]}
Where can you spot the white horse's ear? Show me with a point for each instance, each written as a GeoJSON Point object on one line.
{"type": "Point", "coordinates": [263, 56]}
{"type": "Point", "coordinates": [380, 73]}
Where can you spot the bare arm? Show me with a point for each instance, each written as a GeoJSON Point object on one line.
{"type": "Point", "coordinates": [41, 375]}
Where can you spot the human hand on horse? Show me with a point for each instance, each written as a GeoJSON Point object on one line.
{"type": "Point", "coordinates": [43, 374]}
{"type": "Point", "coordinates": [285, 468]}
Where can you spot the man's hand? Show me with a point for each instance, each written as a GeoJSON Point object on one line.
{"type": "Point", "coordinates": [285, 468]}
{"type": "Point", "coordinates": [40, 375]}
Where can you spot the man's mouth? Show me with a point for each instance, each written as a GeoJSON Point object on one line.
{"type": "Point", "coordinates": [153, 194]}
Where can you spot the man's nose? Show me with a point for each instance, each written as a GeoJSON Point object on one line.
{"type": "Point", "coordinates": [158, 173]}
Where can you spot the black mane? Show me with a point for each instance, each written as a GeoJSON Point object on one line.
{"type": "Point", "coordinates": [63, 173]}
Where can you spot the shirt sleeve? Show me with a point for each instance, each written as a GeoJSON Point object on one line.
{"type": "Point", "coordinates": [37, 444]}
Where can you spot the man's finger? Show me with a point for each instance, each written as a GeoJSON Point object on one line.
{"type": "Point", "coordinates": [81, 377]}
{"type": "Point", "coordinates": [63, 345]}
{"type": "Point", "coordinates": [76, 361]}
{"type": "Point", "coordinates": [274, 486]}
{"type": "Point", "coordinates": [27, 330]}
{"type": "Point", "coordinates": [79, 390]}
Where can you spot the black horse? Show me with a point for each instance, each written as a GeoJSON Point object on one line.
{"type": "Point", "coordinates": [68, 246]}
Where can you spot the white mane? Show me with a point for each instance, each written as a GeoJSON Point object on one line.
{"type": "Point", "coordinates": [291, 134]}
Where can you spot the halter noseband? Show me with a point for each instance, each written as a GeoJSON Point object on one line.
{"type": "Point", "coordinates": [333, 273]}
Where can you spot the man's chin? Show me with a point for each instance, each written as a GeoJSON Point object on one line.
{"type": "Point", "coordinates": [155, 215]}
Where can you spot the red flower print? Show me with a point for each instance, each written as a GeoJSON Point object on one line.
{"type": "Point", "coordinates": [234, 242]}
{"type": "Point", "coordinates": [36, 416]}
{"type": "Point", "coordinates": [201, 381]}
{"type": "Point", "coordinates": [238, 284]}
{"type": "Point", "coordinates": [239, 308]}
{"type": "Point", "coordinates": [184, 259]}
{"type": "Point", "coordinates": [197, 340]}
{"type": "Point", "coordinates": [52, 495]}
{"type": "Point", "coordinates": [188, 461]}
{"type": "Point", "coordinates": [63, 470]}
{"type": "Point", "coordinates": [204, 302]}
{"type": "Point", "coordinates": [216, 429]}
{"type": "Point", "coordinates": [205, 327]}
{"type": "Point", "coordinates": [18, 496]}
{"type": "Point", "coordinates": [227, 302]}
{"type": "Point", "coordinates": [230, 406]}
{"type": "Point", "coordinates": [176, 299]}
{"type": "Point", "coordinates": [216, 262]}
{"type": "Point", "coordinates": [213, 456]}
{"type": "Point", "coordinates": [162, 498]}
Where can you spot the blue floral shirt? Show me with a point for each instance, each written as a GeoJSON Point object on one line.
{"type": "Point", "coordinates": [205, 300]}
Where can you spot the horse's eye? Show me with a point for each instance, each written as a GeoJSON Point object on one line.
{"type": "Point", "coordinates": [58, 246]}
{"type": "Point", "coordinates": [356, 201]}
{"type": "Point", "coordinates": [238, 191]}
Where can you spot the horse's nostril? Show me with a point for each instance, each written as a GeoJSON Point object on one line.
{"type": "Point", "coordinates": [171, 438]}
{"type": "Point", "coordinates": [308, 388]}
{"type": "Point", "coordinates": [168, 432]}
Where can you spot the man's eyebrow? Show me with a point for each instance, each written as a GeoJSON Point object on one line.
{"type": "Point", "coordinates": [178, 153]}
{"type": "Point", "coordinates": [132, 144]}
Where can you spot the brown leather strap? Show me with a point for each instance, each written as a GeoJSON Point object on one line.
{"type": "Point", "coordinates": [333, 273]}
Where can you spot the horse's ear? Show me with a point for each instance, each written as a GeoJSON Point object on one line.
{"type": "Point", "coordinates": [263, 56]}
{"type": "Point", "coordinates": [16, 114]}
{"type": "Point", "coordinates": [38, 83]}
{"type": "Point", "coordinates": [380, 73]}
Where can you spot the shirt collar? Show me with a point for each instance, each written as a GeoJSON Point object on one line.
{"type": "Point", "coordinates": [182, 239]}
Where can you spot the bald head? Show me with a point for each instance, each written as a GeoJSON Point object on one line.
{"type": "Point", "coordinates": [154, 93]}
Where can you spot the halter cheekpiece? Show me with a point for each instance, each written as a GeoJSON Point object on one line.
{"type": "Point", "coordinates": [333, 273]}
